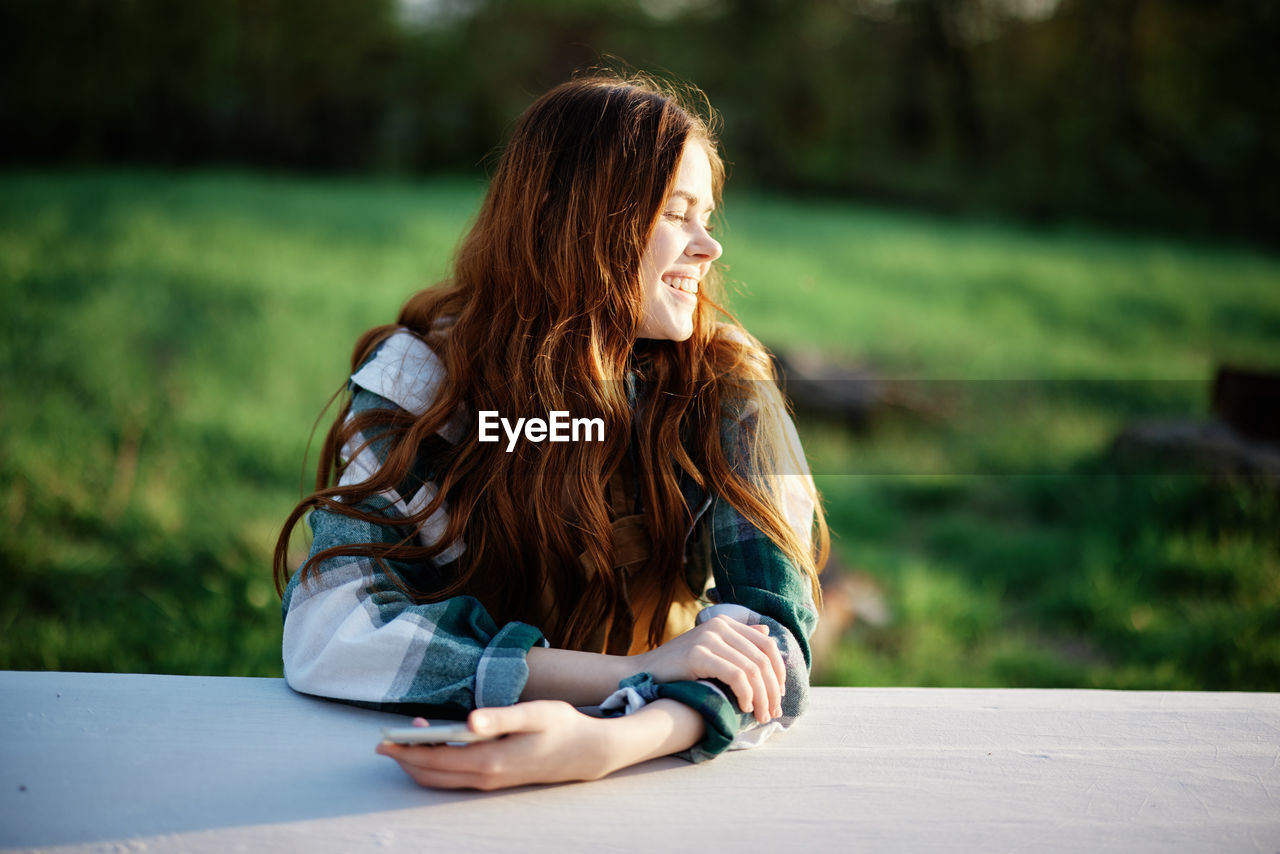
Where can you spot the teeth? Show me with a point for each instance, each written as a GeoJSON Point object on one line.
{"type": "Point", "coordinates": [688, 284]}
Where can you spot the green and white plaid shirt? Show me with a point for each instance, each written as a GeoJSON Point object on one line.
{"type": "Point", "coordinates": [351, 634]}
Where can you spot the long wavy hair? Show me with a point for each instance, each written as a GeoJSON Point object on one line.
{"type": "Point", "coordinates": [541, 314]}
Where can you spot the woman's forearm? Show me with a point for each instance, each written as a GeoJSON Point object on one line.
{"type": "Point", "coordinates": [549, 742]}
{"type": "Point", "coordinates": [578, 678]}
{"type": "Point", "coordinates": [661, 728]}
{"type": "Point", "coordinates": [743, 657]}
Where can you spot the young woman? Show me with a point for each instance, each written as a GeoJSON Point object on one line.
{"type": "Point", "coordinates": [646, 538]}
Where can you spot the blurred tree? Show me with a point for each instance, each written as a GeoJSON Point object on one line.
{"type": "Point", "coordinates": [1139, 112]}
{"type": "Point", "coordinates": [938, 46]}
{"type": "Point", "coordinates": [283, 82]}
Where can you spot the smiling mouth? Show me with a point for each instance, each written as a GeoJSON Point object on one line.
{"type": "Point", "coordinates": [687, 284]}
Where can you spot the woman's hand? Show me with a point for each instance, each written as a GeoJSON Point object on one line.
{"type": "Point", "coordinates": [544, 741]}
{"type": "Point", "coordinates": [743, 657]}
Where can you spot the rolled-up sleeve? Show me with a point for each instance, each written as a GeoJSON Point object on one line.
{"type": "Point", "coordinates": [755, 583]}
{"type": "Point", "coordinates": [350, 633]}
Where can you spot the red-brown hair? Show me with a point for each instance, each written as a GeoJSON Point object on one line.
{"type": "Point", "coordinates": [541, 314]}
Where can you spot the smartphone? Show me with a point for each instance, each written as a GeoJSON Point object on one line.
{"type": "Point", "coordinates": [436, 734]}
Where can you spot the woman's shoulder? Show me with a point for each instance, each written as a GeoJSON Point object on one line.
{"type": "Point", "coordinates": [745, 367]}
{"type": "Point", "coordinates": [403, 370]}
{"type": "Point", "coordinates": [748, 356]}
{"type": "Point", "coordinates": [734, 334]}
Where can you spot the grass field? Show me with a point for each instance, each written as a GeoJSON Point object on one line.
{"type": "Point", "coordinates": [168, 341]}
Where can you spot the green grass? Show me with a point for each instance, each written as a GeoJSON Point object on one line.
{"type": "Point", "coordinates": [938, 299]}
{"type": "Point", "coordinates": [170, 338]}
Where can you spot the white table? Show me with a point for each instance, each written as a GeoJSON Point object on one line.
{"type": "Point", "coordinates": [99, 762]}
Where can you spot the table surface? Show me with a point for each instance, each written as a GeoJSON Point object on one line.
{"type": "Point", "coordinates": [114, 762]}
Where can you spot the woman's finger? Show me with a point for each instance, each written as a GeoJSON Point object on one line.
{"type": "Point", "coordinates": [734, 668]}
{"type": "Point", "coordinates": [502, 720]}
{"type": "Point", "coordinates": [742, 653]}
{"type": "Point", "coordinates": [762, 665]}
{"type": "Point", "coordinates": [436, 778]}
{"type": "Point", "coordinates": [497, 720]}
{"type": "Point", "coordinates": [755, 642]}
{"type": "Point", "coordinates": [735, 677]}
{"type": "Point", "coordinates": [467, 759]}
{"type": "Point", "coordinates": [762, 638]}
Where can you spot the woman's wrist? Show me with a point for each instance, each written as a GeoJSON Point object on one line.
{"type": "Point", "coordinates": [659, 729]}
{"type": "Point", "coordinates": [579, 678]}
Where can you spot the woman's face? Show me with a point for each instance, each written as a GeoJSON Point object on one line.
{"type": "Point", "coordinates": [680, 251]}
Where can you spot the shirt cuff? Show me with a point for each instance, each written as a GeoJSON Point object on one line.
{"type": "Point", "coordinates": [504, 667]}
{"type": "Point", "coordinates": [741, 613]}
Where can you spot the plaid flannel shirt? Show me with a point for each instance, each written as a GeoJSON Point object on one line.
{"type": "Point", "coordinates": [350, 633]}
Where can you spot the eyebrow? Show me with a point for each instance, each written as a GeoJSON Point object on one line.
{"type": "Point", "coordinates": [689, 197]}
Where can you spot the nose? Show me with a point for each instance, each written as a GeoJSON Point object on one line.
{"type": "Point", "coordinates": [703, 246]}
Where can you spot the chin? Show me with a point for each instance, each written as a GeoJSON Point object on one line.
{"type": "Point", "coordinates": [672, 332]}
{"type": "Point", "coordinates": [676, 333]}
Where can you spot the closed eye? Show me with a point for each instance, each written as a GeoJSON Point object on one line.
{"type": "Point", "coordinates": [675, 216]}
